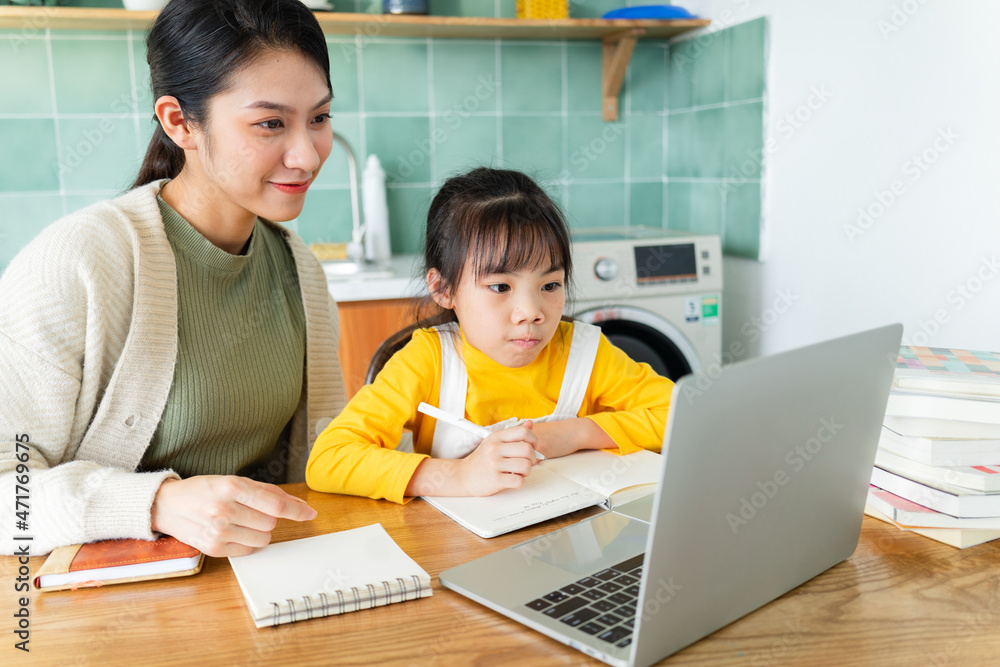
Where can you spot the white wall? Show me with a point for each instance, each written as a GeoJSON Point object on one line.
{"type": "Point", "coordinates": [891, 94]}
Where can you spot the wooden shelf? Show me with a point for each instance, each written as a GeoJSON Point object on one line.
{"type": "Point", "coordinates": [464, 27]}
{"type": "Point", "coordinates": [33, 19]}
{"type": "Point", "coordinates": [370, 25]}
{"type": "Point", "coordinates": [617, 36]}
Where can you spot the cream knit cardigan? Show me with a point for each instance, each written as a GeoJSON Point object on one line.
{"type": "Point", "coordinates": [88, 342]}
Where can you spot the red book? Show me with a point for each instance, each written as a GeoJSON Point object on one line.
{"type": "Point", "coordinates": [117, 562]}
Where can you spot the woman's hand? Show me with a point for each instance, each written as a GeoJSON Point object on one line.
{"type": "Point", "coordinates": [223, 515]}
{"type": "Point", "coordinates": [501, 461]}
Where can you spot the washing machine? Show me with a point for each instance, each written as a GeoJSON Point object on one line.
{"type": "Point", "coordinates": [655, 294]}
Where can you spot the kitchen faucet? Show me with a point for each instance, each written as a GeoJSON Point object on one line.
{"type": "Point", "coordinates": [356, 248]}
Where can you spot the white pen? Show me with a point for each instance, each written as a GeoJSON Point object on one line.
{"type": "Point", "coordinates": [460, 422]}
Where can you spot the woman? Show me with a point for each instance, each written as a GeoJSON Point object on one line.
{"type": "Point", "coordinates": [166, 356]}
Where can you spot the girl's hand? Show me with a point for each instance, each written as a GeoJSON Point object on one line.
{"type": "Point", "coordinates": [501, 461]}
{"type": "Point", "coordinates": [223, 515]}
{"type": "Point", "coordinates": [561, 438]}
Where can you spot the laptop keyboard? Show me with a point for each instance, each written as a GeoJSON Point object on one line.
{"type": "Point", "coordinates": [602, 605]}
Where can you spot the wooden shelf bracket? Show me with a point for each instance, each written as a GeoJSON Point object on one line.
{"type": "Point", "coordinates": [616, 54]}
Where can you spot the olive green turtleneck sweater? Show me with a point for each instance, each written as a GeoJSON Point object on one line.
{"type": "Point", "coordinates": [240, 356]}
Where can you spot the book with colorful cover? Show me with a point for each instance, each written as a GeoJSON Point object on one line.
{"type": "Point", "coordinates": [116, 562]}
{"type": "Point", "coordinates": [946, 371]}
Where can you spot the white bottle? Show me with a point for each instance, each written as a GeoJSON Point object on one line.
{"type": "Point", "coordinates": [376, 208]}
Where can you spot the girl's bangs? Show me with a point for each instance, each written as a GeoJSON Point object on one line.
{"type": "Point", "coordinates": [511, 243]}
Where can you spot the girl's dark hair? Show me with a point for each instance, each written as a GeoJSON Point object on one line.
{"type": "Point", "coordinates": [195, 47]}
{"type": "Point", "coordinates": [498, 221]}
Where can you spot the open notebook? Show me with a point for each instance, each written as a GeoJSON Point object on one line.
{"type": "Point", "coordinates": [556, 487]}
{"type": "Point", "coordinates": [326, 575]}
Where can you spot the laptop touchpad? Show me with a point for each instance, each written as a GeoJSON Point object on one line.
{"type": "Point", "coordinates": [605, 539]}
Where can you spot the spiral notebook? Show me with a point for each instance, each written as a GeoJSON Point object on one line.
{"type": "Point", "coordinates": [326, 575]}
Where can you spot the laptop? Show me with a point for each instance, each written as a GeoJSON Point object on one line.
{"type": "Point", "coordinates": [765, 474]}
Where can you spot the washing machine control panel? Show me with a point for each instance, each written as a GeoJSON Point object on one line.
{"type": "Point", "coordinates": [665, 263]}
{"type": "Point", "coordinates": [653, 265]}
{"type": "Point", "coordinates": [606, 268]}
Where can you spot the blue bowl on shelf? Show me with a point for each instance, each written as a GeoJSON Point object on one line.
{"type": "Point", "coordinates": [650, 12]}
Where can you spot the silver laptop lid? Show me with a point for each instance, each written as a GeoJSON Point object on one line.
{"type": "Point", "coordinates": [765, 476]}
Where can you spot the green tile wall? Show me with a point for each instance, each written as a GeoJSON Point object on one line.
{"type": "Point", "coordinates": [715, 135]}
{"type": "Point", "coordinates": [76, 129]}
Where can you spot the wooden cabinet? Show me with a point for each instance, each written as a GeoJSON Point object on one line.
{"type": "Point", "coordinates": [363, 327]}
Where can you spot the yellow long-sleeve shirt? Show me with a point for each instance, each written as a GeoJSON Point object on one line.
{"type": "Point", "coordinates": [357, 455]}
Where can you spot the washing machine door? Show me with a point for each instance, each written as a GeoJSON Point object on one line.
{"type": "Point", "coordinates": [645, 337]}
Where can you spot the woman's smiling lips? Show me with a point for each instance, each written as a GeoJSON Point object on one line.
{"type": "Point", "coordinates": [292, 188]}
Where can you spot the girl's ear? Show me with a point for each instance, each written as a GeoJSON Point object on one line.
{"type": "Point", "coordinates": [175, 126]}
{"type": "Point", "coordinates": [435, 285]}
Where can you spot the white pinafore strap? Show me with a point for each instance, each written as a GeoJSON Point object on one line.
{"type": "Point", "coordinates": [454, 379]}
{"type": "Point", "coordinates": [579, 366]}
{"type": "Point", "coordinates": [451, 442]}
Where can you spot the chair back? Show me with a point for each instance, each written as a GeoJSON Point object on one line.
{"type": "Point", "coordinates": [389, 347]}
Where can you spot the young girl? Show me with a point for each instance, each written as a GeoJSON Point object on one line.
{"type": "Point", "coordinates": [497, 261]}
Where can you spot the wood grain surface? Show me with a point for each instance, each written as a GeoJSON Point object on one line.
{"type": "Point", "coordinates": [900, 599]}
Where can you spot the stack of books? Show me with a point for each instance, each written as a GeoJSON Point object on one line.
{"type": "Point", "coordinates": [937, 469]}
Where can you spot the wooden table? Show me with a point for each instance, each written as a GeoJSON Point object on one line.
{"type": "Point", "coordinates": [901, 599]}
